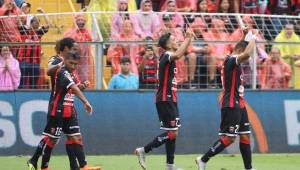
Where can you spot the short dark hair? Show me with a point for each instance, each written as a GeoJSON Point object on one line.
{"type": "Point", "coordinates": [125, 60]}
{"type": "Point", "coordinates": [72, 55]}
{"type": "Point", "coordinates": [66, 42]}
{"type": "Point", "coordinates": [163, 40]}
{"type": "Point", "coordinates": [241, 45]}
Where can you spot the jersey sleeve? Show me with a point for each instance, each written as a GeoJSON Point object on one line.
{"type": "Point", "coordinates": [66, 80]}
{"type": "Point", "coordinates": [54, 61]}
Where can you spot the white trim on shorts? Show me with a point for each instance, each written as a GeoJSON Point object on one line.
{"type": "Point", "coordinates": [47, 134]}
{"type": "Point", "coordinates": [245, 132]}
{"type": "Point", "coordinates": [228, 134]}
{"type": "Point", "coordinates": [164, 128]}
{"type": "Point", "coordinates": [74, 127]}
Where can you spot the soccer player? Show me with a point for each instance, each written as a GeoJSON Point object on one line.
{"type": "Point", "coordinates": [62, 47]}
{"type": "Point", "coordinates": [166, 100]}
{"type": "Point", "coordinates": [62, 114]}
{"type": "Point", "coordinates": [234, 117]}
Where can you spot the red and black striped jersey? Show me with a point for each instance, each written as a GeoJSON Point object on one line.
{"type": "Point", "coordinates": [149, 74]}
{"type": "Point", "coordinates": [232, 81]}
{"type": "Point", "coordinates": [31, 53]}
{"type": "Point", "coordinates": [167, 80]}
{"type": "Point", "coordinates": [62, 100]}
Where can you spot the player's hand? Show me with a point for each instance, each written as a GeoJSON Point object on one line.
{"type": "Point", "coordinates": [245, 30]}
{"type": "Point", "coordinates": [86, 84]}
{"type": "Point", "coordinates": [251, 35]}
{"type": "Point", "coordinates": [255, 32]}
{"type": "Point", "coordinates": [189, 33]}
{"type": "Point", "coordinates": [88, 108]}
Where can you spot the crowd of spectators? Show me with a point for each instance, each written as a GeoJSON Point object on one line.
{"type": "Point", "coordinates": [202, 62]}
{"type": "Point", "coordinates": [29, 31]}
{"type": "Point", "coordinates": [199, 68]}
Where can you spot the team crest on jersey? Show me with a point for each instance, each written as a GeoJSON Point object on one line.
{"type": "Point", "coordinates": [68, 75]}
{"type": "Point", "coordinates": [52, 130]}
{"type": "Point", "coordinates": [231, 129]}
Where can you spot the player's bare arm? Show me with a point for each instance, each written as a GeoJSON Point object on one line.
{"type": "Point", "coordinates": [250, 47]}
{"type": "Point", "coordinates": [182, 49]}
{"type": "Point", "coordinates": [85, 102]}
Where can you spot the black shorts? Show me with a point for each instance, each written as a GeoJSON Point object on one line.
{"type": "Point", "coordinates": [168, 115]}
{"type": "Point", "coordinates": [234, 121]}
{"type": "Point", "coordinates": [56, 125]}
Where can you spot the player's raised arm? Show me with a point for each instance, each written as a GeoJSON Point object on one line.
{"type": "Point", "coordinates": [251, 39]}
{"type": "Point", "coordinates": [79, 94]}
{"type": "Point", "coordinates": [183, 47]}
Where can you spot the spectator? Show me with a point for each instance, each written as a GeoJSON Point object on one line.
{"type": "Point", "coordinates": [183, 5]}
{"type": "Point", "coordinates": [118, 18]}
{"type": "Point", "coordinates": [148, 68]}
{"type": "Point", "coordinates": [278, 7]}
{"type": "Point", "coordinates": [297, 7]}
{"type": "Point", "coordinates": [177, 19]}
{"type": "Point", "coordinates": [80, 33]}
{"type": "Point", "coordinates": [115, 52]}
{"type": "Point", "coordinates": [212, 5]}
{"type": "Point", "coordinates": [146, 20]}
{"type": "Point", "coordinates": [230, 21]}
{"type": "Point", "coordinates": [202, 8]}
{"type": "Point", "coordinates": [25, 10]}
{"type": "Point", "coordinates": [125, 79]}
{"type": "Point", "coordinates": [9, 26]}
{"type": "Point", "coordinates": [217, 33]}
{"type": "Point", "coordinates": [30, 55]}
{"type": "Point", "coordinates": [289, 52]}
{"type": "Point", "coordinates": [247, 6]}
{"type": "Point", "coordinates": [276, 73]}
{"type": "Point", "coordinates": [19, 3]}
{"type": "Point", "coordinates": [168, 26]}
{"type": "Point", "coordinates": [9, 70]}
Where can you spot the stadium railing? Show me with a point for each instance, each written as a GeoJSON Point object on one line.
{"type": "Point", "coordinates": [99, 24]}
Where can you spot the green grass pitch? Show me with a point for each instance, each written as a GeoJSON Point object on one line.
{"type": "Point", "coordinates": [157, 162]}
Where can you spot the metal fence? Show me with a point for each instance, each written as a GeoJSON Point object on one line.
{"type": "Point", "coordinates": [109, 40]}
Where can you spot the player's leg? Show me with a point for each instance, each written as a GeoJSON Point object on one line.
{"type": "Point", "coordinates": [169, 123]}
{"type": "Point", "coordinates": [74, 145]}
{"type": "Point", "coordinates": [53, 130]}
{"type": "Point", "coordinates": [71, 127]}
{"type": "Point", "coordinates": [71, 154]}
{"type": "Point", "coordinates": [230, 118]}
{"type": "Point", "coordinates": [32, 162]}
{"type": "Point", "coordinates": [244, 133]}
{"type": "Point", "coordinates": [51, 142]}
{"type": "Point", "coordinates": [171, 143]}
